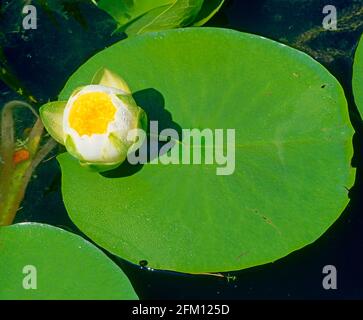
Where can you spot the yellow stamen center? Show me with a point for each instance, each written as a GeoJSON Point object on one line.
{"type": "Point", "coordinates": [91, 113]}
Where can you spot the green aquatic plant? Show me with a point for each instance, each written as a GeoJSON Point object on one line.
{"type": "Point", "coordinates": [18, 161]}
{"type": "Point", "coordinates": [292, 159]}
{"type": "Point", "coordinates": [27, 248]}
{"type": "Point", "coordinates": [95, 122]}
{"type": "Point", "coordinates": [43, 262]}
{"type": "Point", "coordinates": [293, 153]}
{"type": "Point", "coordinates": [137, 17]}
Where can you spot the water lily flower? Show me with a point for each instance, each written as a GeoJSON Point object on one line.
{"type": "Point", "coordinates": [95, 123]}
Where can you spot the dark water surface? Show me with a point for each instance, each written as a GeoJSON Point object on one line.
{"type": "Point", "coordinates": [43, 60]}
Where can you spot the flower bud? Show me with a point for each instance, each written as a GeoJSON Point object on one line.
{"type": "Point", "coordinates": [96, 121]}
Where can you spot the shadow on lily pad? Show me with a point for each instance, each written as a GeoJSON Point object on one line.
{"type": "Point", "coordinates": [153, 103]}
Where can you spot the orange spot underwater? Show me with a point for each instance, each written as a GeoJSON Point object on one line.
{"type": "Point", "coordinates": [21, 156]}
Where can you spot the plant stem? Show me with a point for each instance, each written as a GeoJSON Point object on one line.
{"type": "Point", "coordinates": [17, 182]}
{"type": "Point", "coordinates": [15, 177]}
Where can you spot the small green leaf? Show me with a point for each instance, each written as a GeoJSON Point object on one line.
{"type": "Point", "coordinates": [41, 262]}
{"type": "Point", "coordinates": [127, 11]}
{"type": "Point", "coordinates": [108, 78]}
{"type": "Point", "coordinates": [358, 77]}
{"type": "Point", "coordinates": [178, 14]}
{"type": "Point", "coordinates": [209, 9]}
{"type": "Point", "coordinates": [52, 117]}
{"type": "Point", "coordinates": [136, 17]}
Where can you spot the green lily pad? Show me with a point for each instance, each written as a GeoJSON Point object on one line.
{"type": "Point", "coordinates": [292, 165]}
{"type": "Point", "coordinates": [358, 77]}
{"type": "Point", "coordinates": [43, 262]}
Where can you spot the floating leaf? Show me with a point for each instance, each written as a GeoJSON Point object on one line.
{"type": "Point", "coordinates": [65, 266]}
{"type": "Point", "coordinates": [358, 76]}
{"type": "Point", "coordinates": [144, 16]}
{"type": "Point", "coordinates": [178, 14]}
{"type": "Point", "coordinates": [126, 11]}
{"type": "Point", "coordinates": [293, 152]}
